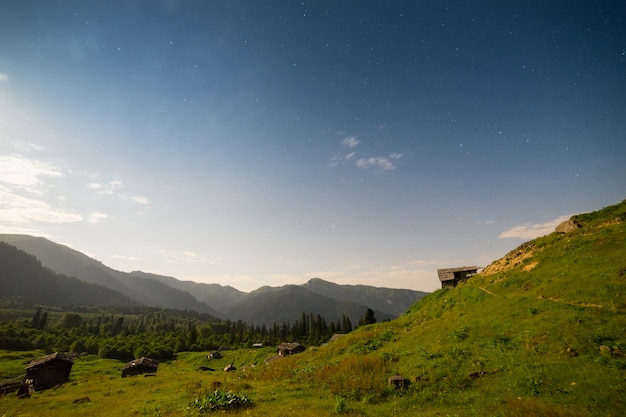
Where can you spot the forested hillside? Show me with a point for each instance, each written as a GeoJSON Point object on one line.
{"type": "Point", "coordinates": [22, 275]}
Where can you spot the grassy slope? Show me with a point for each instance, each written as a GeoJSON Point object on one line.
{"type": "Point", "coordinates": [541, 333]}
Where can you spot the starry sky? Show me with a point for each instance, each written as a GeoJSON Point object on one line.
{"type": "Point", "coordinates": [252, 143]}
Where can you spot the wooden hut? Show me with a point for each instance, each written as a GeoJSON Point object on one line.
{"type": "Point", "coordinates": [49, 371]}
{"type": "Point", "coordinates": [450, 277]}
{"type": "Point", "coordinates": [142, 365]}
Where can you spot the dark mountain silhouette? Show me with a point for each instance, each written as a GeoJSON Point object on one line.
{"type": "Point", "coordinates": [69, 262]}
{"type": "Point", "coordinates": [263, 306]}
{"type": "Point", "coordinates": [392, 302]}
{"type": "Point", "coordinates": [22, 275]}
{"type": "Point", "coordinates": [269, 305]}
{"type": "Point", "coordinates": [216, 295]}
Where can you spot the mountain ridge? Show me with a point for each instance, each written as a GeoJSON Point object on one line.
{"type": "Point", "coordinates": [221, 301]}
{"type": "Point", "coordinates": [22, 275]}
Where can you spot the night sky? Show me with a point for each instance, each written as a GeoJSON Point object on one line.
{"type": "Point", "coordinates": [252, 143]}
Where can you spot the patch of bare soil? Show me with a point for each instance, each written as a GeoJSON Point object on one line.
{"type": "Point", "coordinates": [512, 260]}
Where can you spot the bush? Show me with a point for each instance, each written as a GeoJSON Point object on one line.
{"type": "Point", "coordinates": [220, 400]}
{"type": "Point", "coordinates": [340, 404]}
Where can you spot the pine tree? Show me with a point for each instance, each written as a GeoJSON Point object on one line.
{"type": "Point", "coordinates": [368, 318]}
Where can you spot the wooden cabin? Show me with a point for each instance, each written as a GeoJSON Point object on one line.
{"type": "Point", "coordinates": [48, 371]}
{"type": "Point", "coordinates": [450, 277]}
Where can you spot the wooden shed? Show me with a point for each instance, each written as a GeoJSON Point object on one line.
{"type": "Point", "coordinates": [142, 365]}
{"type": "Point", "coordinates": [48, 371]}
{"type": "Point", "coordinates": [450, 277]}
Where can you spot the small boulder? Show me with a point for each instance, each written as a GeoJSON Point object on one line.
{"type": "Point", "coordinates": [567, 226]}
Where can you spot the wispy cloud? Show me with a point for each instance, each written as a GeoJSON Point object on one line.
{"type": "Point", "coordinates": [96, 217]}
{"type": "Point", "coordinates": [383, 163]}
{"type": "Point", "coordinates": [531, 231]}
{"type": "Point", "coordinates": [108, 188]}
{"type": "Point", "coordinates": [379, 162]}
{"type": "Point", "coordinates": [126, 258]}
{"type": "Point", "coordinates": [27, 147]}
{"type": "Point", "coordinates": [3, 76]}
{"type": "Point", "coordinates": [23, 183]}
{"type": "Point", "coordinates": [19, 210]}
{"type": "Point", "coordinates": [26, 174]}
{"type": "Point", "coordinates": [114, 187]}
{"type": "Point", "coordinates": [185, 257]}
{"type": "Point", "coordinates": [350, 142]}
{"type": "Point", "coordinates": [139, 199]}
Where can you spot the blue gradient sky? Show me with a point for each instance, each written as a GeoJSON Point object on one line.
{"type": "Point", "coordinates": [269, 142]}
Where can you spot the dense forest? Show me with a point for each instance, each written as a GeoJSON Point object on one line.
{"type": "Point", "coordinates": [131, 333]}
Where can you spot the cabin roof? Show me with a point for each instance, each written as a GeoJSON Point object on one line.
{"type": "Point", "coordinates": [443, 272]}
{"type": "Point", "coordinates": [57, 356]}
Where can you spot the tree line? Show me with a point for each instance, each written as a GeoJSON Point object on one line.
{"type": "Point", "coordinates": [158, 333]}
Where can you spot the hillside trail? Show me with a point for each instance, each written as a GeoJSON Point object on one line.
{"type": "Point", "coordinates": [489, 292]}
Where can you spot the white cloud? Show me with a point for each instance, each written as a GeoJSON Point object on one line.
{"type": "Point", "coordinates": [25, 174]}
{"type": "Point", "coordinates": [20, 210]}
{"type": "Point", "coordinates": [19, 175]}
{"type": "Point", "coordinates": [96, 217]}
{"type": "Point", "coordinates": [140, 200]}
{"type": "Point", "coordinates": [384, 163]}
{"type": "Point", "coordinates": [484, 221]}
{"type": "Point", "coordinates": [3, 76]}
{"type": "Point", "coordinates": [108, 188]}
{"type": "Point", "coordinates": [350, 142]}
{"type": "Point", "coordinates": [531, 231]}
{"type": "Point", "coordinates": [380, 162]}
{"type": "Point", "coordinates": [113, 188]}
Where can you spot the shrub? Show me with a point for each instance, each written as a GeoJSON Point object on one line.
{"type": "Point", "coordinates": [220, 400]}
{"type": "Point", "coordinates": [340, 404]}
{"type": "Point", "coordinates": [461, 333]}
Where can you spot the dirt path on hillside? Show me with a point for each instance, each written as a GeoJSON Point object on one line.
{"type": "Point", "coordinates": [489, 292]}
{"type": "Point", "coordinates": [571, 303]}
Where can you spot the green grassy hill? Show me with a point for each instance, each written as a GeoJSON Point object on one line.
{"type": "Point", "coordinates": [541, 332]}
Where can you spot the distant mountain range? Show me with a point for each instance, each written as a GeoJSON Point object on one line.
{"type": "Point", "coordinates": [96, 284]}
